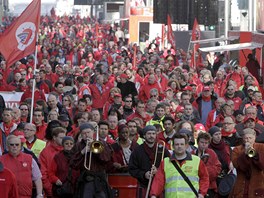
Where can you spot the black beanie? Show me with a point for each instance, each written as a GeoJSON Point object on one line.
{"type": "Point", "coordinates": [149, 128]}
{"type": "Point", "coordinates": [213, 130]}
{"type": "Point", "coordinates": [86, 126]}
{"type": "Point", "coordinates": [64, 139]}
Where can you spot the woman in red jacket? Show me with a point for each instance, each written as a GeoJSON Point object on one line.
{"type": "Point", "coordinates": [60, 171]}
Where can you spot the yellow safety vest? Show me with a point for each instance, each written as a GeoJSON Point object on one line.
{"type": "Point", "coordinates": [175, 185]}
{"type": "Point", "coordinates": [37, 147]}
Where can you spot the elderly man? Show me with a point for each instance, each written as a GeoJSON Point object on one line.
{"type": "Point", "coordinates": [32, 142]}
{"type": "Point", "coordinates": [248, 159]}
{"type": "Point", "coordinates": [92, 181]}
{"type": "Point", "coordinates": [251, 112]}
{"type": "Point", "coordinates": [23, 166]}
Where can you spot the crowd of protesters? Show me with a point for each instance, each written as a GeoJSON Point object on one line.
{"type": "Point", "coordinates": [88, 76]}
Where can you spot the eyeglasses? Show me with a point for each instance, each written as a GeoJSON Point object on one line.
{"type": "Point", "coordinates": [128, 101]}
{"type": "Point", "coordinates": [13, 144]}
{"type": "Point", "coordinates": [23, 74]}
{"type": "Point", "coordinates": [68, 143]}
{"type": "Point", "coordinates": [29, 130]}
{"type": "Point", "coordinates": [228, 123]}
{"type": "Point", "coordinates": [153, 96]}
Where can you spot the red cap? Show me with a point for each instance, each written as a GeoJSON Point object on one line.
{"type": "Point", "coordinates": [123, 75]}
{"type": "Point", "coordinates": [180, 109]}
{"type": "Point", "coordinates": [206, 88]}
{"type": "Point", "coordinates": [187, 88]}
{"type": "Point", "coordinates": [118, 57]}
{"type": "Point", "coordinates": [22, 67]}
{"type": "Point", "coordinates": [90, 55]}
{"type": "Point", "coordinates": [249, 118]}
{"type": "Point", "coordinates": [21, 136]}
{"type": "Point", "coordinates": [199, 126]}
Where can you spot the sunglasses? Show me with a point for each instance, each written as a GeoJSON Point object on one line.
{"type": "Point", "coordinates": [128, 100]}
{"type": "Point", "coordinates": [13, 144]}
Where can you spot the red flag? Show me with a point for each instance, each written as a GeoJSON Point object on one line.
{"type": "Point", "coordinates": [19, 39]}
{"type": "Point", "coordinates": [170, 35]}
{"type": "Point", "coordinates": [196, 35]}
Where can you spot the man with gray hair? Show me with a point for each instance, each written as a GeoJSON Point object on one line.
{"type": "Point", "coordinates": [32, 142]}
{"type": "Point", "coordinates": [248, 159]}
{"type": "Point", "coordinates": [23, 166]}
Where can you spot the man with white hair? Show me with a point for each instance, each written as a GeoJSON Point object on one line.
{"type": "Point", "coordinates": [23, 166]}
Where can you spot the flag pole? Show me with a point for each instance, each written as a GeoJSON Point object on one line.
{"type": "Point", "coordinates": [34, 81]}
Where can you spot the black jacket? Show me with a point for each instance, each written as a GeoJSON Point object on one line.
{"type": "Point", "coordinates": [140, 163]}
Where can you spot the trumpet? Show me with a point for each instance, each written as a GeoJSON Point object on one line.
{"type": "Point", "coordinates": [159, 145]}
{"type": "Point", "coordinates": [251, 152]}
{"type": "Point", "coordinates": [96, 147]}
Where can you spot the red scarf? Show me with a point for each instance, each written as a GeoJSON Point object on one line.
{"type": "Point", "coordinates": [150, 151]}
{"type": "Point", "coordinates": [226, 134]}
{"type": "Point", "coordinates": [206, 98]}
{"type": "Point", "coordinates": [7, 127]}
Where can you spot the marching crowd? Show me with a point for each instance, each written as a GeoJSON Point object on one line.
{"type": "Point", "coordinates": [104, 106]}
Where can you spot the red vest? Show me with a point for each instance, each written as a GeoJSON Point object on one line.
{"type": "Point", "coordinates": [21, 166]}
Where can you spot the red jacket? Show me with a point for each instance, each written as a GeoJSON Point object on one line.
{"type": "Point", "coordinates": [52, 77]}
{"type": "Point", "coordinates": [237, 102]}
{"type": "Point", "coordinates": [39, 95]}
{"type": "Point", "coordinates": [45, 159]}
{"type": "Point", "coordinates": [8, 184]}
{"type": "Point", "coordinates": [162, 136]}
{"type": "Point", "coordinates": [144, 92]}
{"type": "Point", "coordinates": [41, 131]}
{"type": "Point", "coordinates": [99, 99]}
{"type": "Point", "coordinates": [213, 166]}
{"type": "Point", "coordinates": [21, 166]}
{"type": "Point", "coordinates": [210, 121]}
{"type": "Point", "coordinates": [59, 169]}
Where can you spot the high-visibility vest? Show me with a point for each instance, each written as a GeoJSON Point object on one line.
{"type": "Point", "coordinates": [37, 147]}
{"type": "Point", "coordinates": [175, 185]}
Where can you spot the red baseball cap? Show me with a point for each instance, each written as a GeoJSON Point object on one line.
{"type": "Point", "coordinates": [199, 126]}
{"type": "Point", "coordinates": [249, 118]}
{"type": "Point", "coordinates": [187, 88]}
{"type": "Point", "coordinates": [206, 88]}
{"type": "Point", "coordinates": [123, 75]}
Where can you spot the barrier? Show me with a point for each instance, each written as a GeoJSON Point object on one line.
{"type": "Point", "coordinates": [123, 185]}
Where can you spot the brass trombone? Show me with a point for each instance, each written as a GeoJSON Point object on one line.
{"type": "Point", "coordinates": [96, 146]}
{"type": "Point", "coordinates": [159, 145]}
